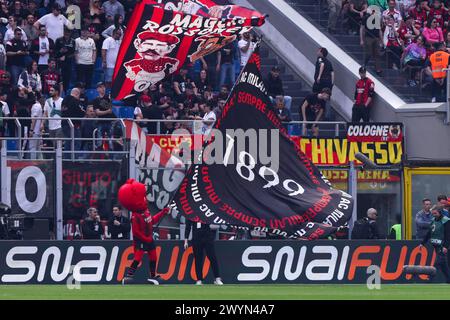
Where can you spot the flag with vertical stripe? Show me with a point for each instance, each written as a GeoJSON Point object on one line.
{"type": "Point", "coordinates": [158, 41]}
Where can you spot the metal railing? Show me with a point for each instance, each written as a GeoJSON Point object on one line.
{"type": "Point", "coordinates": [93, 148]}
{"type": "Point", "coordinates": [21, 131]}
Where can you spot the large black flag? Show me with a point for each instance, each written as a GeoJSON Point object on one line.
{"type": "Point", "coordinates": [286, 195]}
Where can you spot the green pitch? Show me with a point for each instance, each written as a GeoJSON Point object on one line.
{"type": "Point", "coordinates": [236, 292]}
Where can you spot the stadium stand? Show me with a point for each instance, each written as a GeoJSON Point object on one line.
{"type": "Point", "coordinates": [317, 12]}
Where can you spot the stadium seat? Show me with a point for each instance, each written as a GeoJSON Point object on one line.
{"type": "Point", "coordinates": [294, 130]}
{"type": "Point", "coordinates": [124, 112]}
{"type": "Point", "coordinates": [116, 111]}
{"type": "Point", "coordinates": [127, 112]}
{"type": "Point", "coordinates": [98, 77]}
{"type": "Point", "coordinates": [98, 64]}
{"type": "Point", "coordinates": [91, 94]}
{"type": "Point", "coordinates": [117, 103]}
{"type": "Point", "coordinates": [11, 145]}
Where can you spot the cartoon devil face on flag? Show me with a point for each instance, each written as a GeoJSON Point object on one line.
{"type": "Point", "coordinates": [158, 41]}
{"type": "Point", "coordinates": [153, 63]}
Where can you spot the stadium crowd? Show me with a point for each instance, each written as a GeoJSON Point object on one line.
{"type": "Point", "coordinates": [57, 59]}
{"type": "Point", "coordinates": [413, 35]}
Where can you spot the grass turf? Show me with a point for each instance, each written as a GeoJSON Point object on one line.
{"type": "Point", "coordinates": [235, 292]}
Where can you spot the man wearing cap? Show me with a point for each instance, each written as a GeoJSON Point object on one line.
{"type": "Point", "coordinates": [365, 89]}
{"type": "Point", "coordinates": [153, 48]}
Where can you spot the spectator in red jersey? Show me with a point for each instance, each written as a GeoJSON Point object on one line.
{"type": "Point", "coordinates": [438, 12]}
{"type": "Point", "coordinates": [365, 89]}
{"type": "Point", "coordinates": [432, 33]}
{"type": "Point", "coordinates": [419, 13]}
{"type": "Point", "coordinates": [392, 44]}
{"type": "Point", "coordinates": [51, 77]}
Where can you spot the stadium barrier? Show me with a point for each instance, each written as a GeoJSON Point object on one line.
{"type": "Point", "coordinates": [241, 262]}
{"type": "Point", "coordinates": [62, 183]}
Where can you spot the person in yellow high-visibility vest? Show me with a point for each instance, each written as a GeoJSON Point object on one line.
{"type": "Point", "coordinates": [436, 67]}
{"type": "Point", "coordinates": [396, 229]}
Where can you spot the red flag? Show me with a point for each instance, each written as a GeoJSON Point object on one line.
{"type": "Point", "coordinates": [158, 41]}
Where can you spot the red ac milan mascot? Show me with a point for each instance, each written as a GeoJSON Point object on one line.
{"type": "Point", "coordinates": [132, 196]}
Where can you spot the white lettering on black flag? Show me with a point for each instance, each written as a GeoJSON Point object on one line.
{"type": "Point", "coordinates": [287, 196]}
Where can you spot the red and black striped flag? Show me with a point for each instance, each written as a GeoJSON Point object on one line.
{"type": "Point", "coordinates": [159, 41]}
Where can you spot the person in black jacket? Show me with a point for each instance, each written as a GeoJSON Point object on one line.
{"type": "Point", "coordinates": [274, 86]}
{"type": "Point", "coordinates": [119, 225]}
{"type": "Point", "coordinates": [202, 242]}
{"type": "Point", "coordinates": [324, 73]}
{"type": "Point", "coordinates": [91, 227]}
{"type": "Point", "coordinates": [71, 108]}
{"type": "Point", "coordinates": [367, 228]}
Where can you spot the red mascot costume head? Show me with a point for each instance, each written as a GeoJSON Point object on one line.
{"type": "Point", "coordinates": [132, 195]}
